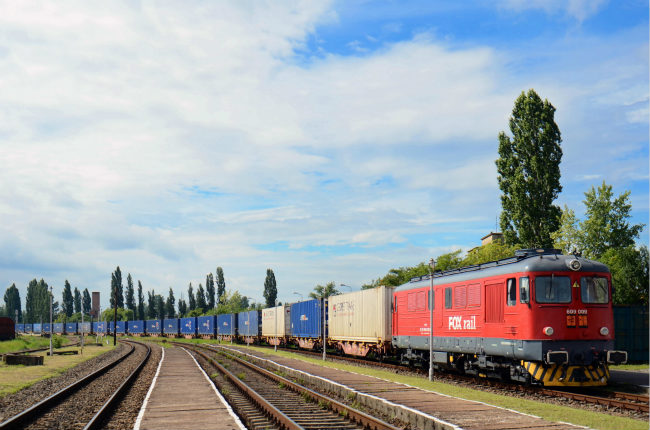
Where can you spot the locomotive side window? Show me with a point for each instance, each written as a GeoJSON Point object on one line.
{"type": "Point", "coordinates": [448, 298]}
{"type": "Point", "coordinates": [524, 290]}
{"type": "Point", "coordinates": [594, 289]}
{"type": "Point", "coordinates": [511, 286]}
{"type": "Point", "coordinates": [553, 289]}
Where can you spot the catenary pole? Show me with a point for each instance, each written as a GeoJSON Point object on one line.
{"type": "Point", "coordinates": [432, 266]}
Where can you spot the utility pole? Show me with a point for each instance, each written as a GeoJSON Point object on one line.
{"type": "Point", "coordinates": [324, 308]}
{"type": "Point", "coordinates": [432, 267]}
{"type": "Point", "coordinates": [115, 317]}
{"type": "Point", "coordinates": [51, 352]}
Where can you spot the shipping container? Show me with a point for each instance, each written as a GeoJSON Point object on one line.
{"type": "Point", "coordinates": [249, 323]}
{"type": "Point", "coordinates": [135, 327]}
{"type": "Point", "coordinates": [84, 327]}
{"type": "Point", "coordinates": [20, 328]}
{"type": "Point", "coordinates": [307, 323]}
{"type": "Point", "coordinates": [153, 327]}
{"type": "Point", "coordinates": [188, 326]}
{"type": "Point", "coordinates": [101, 327]}
{"type": "Point", "coordinates": [121, 327]}
{"type": "Point", "coordinates": [36, 328]}
{"type": "Point", "coordinates": [276, 324]}
{"type": "Point", "coordinates": [170, 327]}
{"type": "Point", "coordinates": [27, 328]}
{"type": "Point", "coordinates": [71, 328]}
{"type": "Point", "coordinates": [361, 320]}
{"type": "Point", "coordinates": [46, 328]}
{"type": "Point", "coordinates": [207, 325]}
{"type": "Point", "coordinates": [631, 331]}
{"type": "Point", "coordinates": [59, 328]}
{"type": "Point", "coordinates": [226, 326]}
{"type": "Point", "coordinates": [7, 328]}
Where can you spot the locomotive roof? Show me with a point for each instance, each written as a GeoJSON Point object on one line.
{"type": "Point", "coordinates": [527, 260]}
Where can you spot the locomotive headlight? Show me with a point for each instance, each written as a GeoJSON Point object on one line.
{"type": "Point", "coordinates": [548, 331]}
{"type": "Point", "coordinates": [574, 264]}
{"type": "Point", "coordinates": [604, 331]}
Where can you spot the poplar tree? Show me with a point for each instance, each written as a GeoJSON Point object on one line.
{"type": "Point", "coordinates": [529, 173]}
{"type": "Point", "coordinates": [116, 284]}
{"type": "Point", "coordinates": [170, 309]}
{"type": "Point", "coordinates": [68, 301]}
{"type": "Point", "coordinates": [151, 304]}
{"type": "Point", "coordinates": [140, 302]}
{"type": "Point", "coordinates": [130, 294]}
{"type": "Point", "coordinates": [77, 301]}
{"type": "Point", "coordinates": [270, 288]}
{"type": "Point", "coordinates": [221, 285]}
{"type": "Point", "coordinates": [190, 298]}
{"type": "Point", "coordinates": [200, 298]}
{"type": "Point", "coordinates": [209, 290]}
{"type": "Point", "coordinates": [86, 301]}
{"type": "Point", "coordinates": [12, 302]}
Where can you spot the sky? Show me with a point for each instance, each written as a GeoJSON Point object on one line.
{"type": "Point", "coordinates": [328, 141]}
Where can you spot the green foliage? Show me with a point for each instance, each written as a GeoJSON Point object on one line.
{"type": "Point", "coordinates": [326, 290]}
{"type": "Point", "coordinates": [117, 289]}
{"type": "Point", "coordinates": [567, 238]}
{"type": "Point", "coordinates": [629, 268]}
{"type": "Point", "coordinates": [68, 301]}
{"type": "Point", "coordinates": [107, 315]}
{"type": "Point", "coordinates": [140, 311]}
{"type": "Point", "coordinates": [198, 312]}
{"type": "Point", "coordinates": [85, 301]}
{"type": "Point", "coordinates": [151, 304]}
{"type": "Point", "coordinates": [159, 306]}
{"type": "Point", "coordinates": [37, 302]}
{"type": "Point", "coordinates": [529, 173]}
{"type": "Point", "coordinates": [607, 222]}
{"type": "Point", "coordinates": [12, 302]}
{"type": "Point", "coordinates": [270, 288]}
{"type": "Point", "coordinates": [230, 303]}
{"type": "Point", "coordinates": [200, 298]}
{"type": "Point", "coordinates": [170, 310]}
{"type": "Point", "coordinates": [190, 297]}
{"type": "Point", "coordinates": [130, 294]}
{"type": "Point", "coordinates": [182, 308]}
{"type": "Point", "coordinates": [221, 284]}
{"type": "Point", "coordinates": [209, 290]}
{"type": "Point", "coordinates": [400, 276]}
{"type": "Point", "coordinates": [77, 300]}
{"type": "Point", "coordinates": [491, 252]}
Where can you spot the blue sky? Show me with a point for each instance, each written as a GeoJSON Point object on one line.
{"type": "Point", "coordinates": [329, 141]}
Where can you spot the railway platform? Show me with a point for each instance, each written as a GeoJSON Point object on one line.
{"type": "Point", "coordinates": [423, 409]}
{"type": "Point", "coordinates": [182, 396]}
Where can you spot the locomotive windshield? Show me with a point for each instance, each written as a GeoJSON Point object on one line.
{"type": "Point", "coordinates": [594, 289]}
{"type": "Point", "coordinates": [553, 289]}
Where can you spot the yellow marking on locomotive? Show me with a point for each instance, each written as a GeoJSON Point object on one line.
{"type": "Point", "coordinates": [553, 375]}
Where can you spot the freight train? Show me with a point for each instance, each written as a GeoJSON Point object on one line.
{"type": "Point", "coordinates": [539, 317]}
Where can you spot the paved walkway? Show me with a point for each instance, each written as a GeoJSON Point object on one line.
{"type": "Point", "coordinates": [182, 397]}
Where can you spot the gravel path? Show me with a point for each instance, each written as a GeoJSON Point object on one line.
{"type": "Point", "coordinates": [12, 404]}
{"type": "Point", "coordinates": [129, 407]}
{"type": "Point", "coordinates": [80, 407]}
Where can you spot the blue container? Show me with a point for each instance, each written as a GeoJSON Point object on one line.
{"type": "Point", "coordinates": [110, 327]}
{"type": "Point", "coordinates": [250, 323]}
{"type": "Point", "coordinates": [46, 328]}
{"type": "Point", "coordinates": [99, 327]}
{"type": "Point", "coordinates": [36, 328]}
{"type": "Point", "coordinates": [71, 328]}
{"type": "Point", "coordinates": [121, 327]}
{"type": "Point", "coordinates": [20, 328]}
{"type": "Point", "coordinates": [226, 325]}
{"type": "Point", "coordinates": [135, 327]}
{"type": "Point", "coordinates": [306, 319]}
{"type": "Point", "coordinates": [28, 328]}
{"type": "Point", "coordinates": [153, 327]}
{"type": "Point", "coordinates": [84, 327]}
{"type": "Point", "coordinates": [207, 325]}
{"type": "Point", "coordinates": [59, 328]}
{"type": "Point", "coordinates": [170, 327]}
{"type": "Point", "coordinates": [188, 326]}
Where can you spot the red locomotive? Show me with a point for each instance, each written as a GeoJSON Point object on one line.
{"type": "Point", "coordinates": [538, 317]}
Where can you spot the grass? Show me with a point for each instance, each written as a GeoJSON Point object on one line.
{"type": "Point", "coordinates": [644, 367]}
{"type": "Point", "coordinates": [15, 378]}
{"type": "Point", "coordinates": [28, 342]}
{"type": "Point", "coordinates": [595, 420]}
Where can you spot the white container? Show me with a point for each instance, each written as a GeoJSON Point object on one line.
{"type": "Point", "coordinates": [361, 316]}
{"type": "Point", "coordinates": [272, 327]}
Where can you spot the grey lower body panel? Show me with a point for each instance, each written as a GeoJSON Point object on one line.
{"type": "Point", "coordinates": [580, 351]}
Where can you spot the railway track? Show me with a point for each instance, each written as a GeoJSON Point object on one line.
{"type": "Point", "coordinates": [83, 403]}
{"type": "Point", "coordinates": [619, 400]}
{"type": "Point", "coordinates": [264, 399]}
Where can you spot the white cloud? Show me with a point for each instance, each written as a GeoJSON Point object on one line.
{"type": "Point", "coordinates": [578, 9]}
